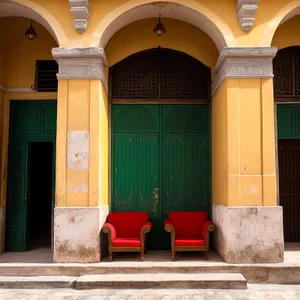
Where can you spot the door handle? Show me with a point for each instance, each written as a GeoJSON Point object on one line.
{"type": "Point", "coordinates": [155, 196]}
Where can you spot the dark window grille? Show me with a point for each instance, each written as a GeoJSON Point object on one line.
{"type": "Point", "coordinates": [286, 67]}
{"type": "Point", "coordinates": [45, 76]}
{"type": "Point", "coordinates": [160, 74]}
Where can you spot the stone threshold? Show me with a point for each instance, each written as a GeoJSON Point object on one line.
{"type": "Point", "coordinates": [129, 281]}
{"type": "Point", "coordinates": [254, 273]}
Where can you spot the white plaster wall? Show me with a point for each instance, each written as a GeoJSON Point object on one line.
{"type": "Point", "coordinates": [77, 233]}
{"type": "Point", "coordinates": [252, 234]}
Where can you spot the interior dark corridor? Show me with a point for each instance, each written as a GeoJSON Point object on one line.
{"type": "Point", "coordinates": [289, 188]}
{"type": "Point", "coordinates": [40, 188]}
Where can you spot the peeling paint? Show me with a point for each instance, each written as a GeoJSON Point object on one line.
{"type": "Point", "coordinates": [78, 150]}
{"type": "Point", "coordinates": [78, 188]}
{"type": "Point", "coordinates": [252, 189]}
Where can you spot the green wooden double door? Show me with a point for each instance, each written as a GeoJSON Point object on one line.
{"type": "Point", "coordinates": [161, 161]}
{"type": "Point", "coordinates": [32, 125]}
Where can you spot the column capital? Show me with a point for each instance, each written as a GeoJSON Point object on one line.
{"type": "Point", "coordinates": [81, 63]}
{"type": "Point", "coordinates": [243, 62]}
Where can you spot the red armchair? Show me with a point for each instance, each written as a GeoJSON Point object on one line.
{"type": "Point", "coordinates": [189, 231]}
{"type": "Point", "coordinates": [127, 232]}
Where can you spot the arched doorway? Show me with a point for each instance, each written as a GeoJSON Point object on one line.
{"type": "Point", "coordinates": [160, 136]}
{"type": "Point", "coordinates": [287, 96]}
{"type": "Point", "coordinates": [28, 112]}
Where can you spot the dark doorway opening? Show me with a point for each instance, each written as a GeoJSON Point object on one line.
{"type": "Point", "coordinates": [40, 194]}
{"type": "Point", "coordinates": [289, 187]}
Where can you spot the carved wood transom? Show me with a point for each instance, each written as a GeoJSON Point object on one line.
{"type": "Point", "coordinates": [160, 74]}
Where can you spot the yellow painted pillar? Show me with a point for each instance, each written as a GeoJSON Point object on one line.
{"type": "Point", "coordinates": [82, 155]}
{"type": "Point", "coordinates": [244, 171]}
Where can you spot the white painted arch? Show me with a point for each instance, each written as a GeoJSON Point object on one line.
{"type": "Point", "coordinates": [32, 10]}
{"type": "Point", "coordinates": [188, 11]}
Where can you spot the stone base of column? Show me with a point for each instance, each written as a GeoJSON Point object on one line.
{"type": "Point", "coordinates": [77, 232]}
{"type": "Point", "coordinates": [2, 229]}
{"type": "Point", "coordinates": [251, 234]}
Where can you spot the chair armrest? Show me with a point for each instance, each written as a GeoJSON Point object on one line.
{"type": "Point", "coordinates": [146, 228]}
{"type": "Point", "coordinates": [169, 227]}
{"type": "Point", "coordinates": [207, 228]}
{"type": "Point", "coordinates": [110, 229]}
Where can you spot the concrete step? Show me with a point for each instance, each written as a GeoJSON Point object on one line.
{"type": "Point", "coordinates": [282, 273]}
{"type": "Point", "coordinates": [163, 281]}
{"type": "Point", "coordinates": [37, 282]}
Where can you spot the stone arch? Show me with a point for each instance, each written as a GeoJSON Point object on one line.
{"type": "Point", "coordinates": [289, 11]}
{"type": "Point", "coordinates": [32, 10]}
{"type": "Point", "coordinates": [189, 11]}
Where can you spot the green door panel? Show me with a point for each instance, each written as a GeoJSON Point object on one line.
{"type": "Point", "coordinates": [147, 179]}
{"type": "Point", "coordinates": [164, 147]}
{"type": "Point", "coordinates": [288, 120]}
{"type": "Point", "coordinates": [30, 121]}
{"type": "Point", "coordinates": [197, 172]}
{"type": "Point", "coordinates": [48, 118]}
{"type": "Point", "coordinates": [16, 199]}
{"type": "Point", "coordinates": [173, 172]}
{"type": "Point", "coordinates": [26, 117]}
{"type": "Point", "coordinates": [124, 172]}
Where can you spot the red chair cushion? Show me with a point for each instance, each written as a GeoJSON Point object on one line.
{"type": "Point", "coordinates": [188, 223]}
{"type": "Point", "coordinates": [128, 224]}
{"type": "Point", "coordinates": [127, 242]}
{"type": "Point", "coordinates": [189, 241]}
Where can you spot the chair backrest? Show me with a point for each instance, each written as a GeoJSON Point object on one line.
{"type": "Point", "coordinates": [128, 224]}
{"type": "Point", "coordinates": [188, 223]}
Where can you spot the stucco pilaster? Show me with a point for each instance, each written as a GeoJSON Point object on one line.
{"type": "Point", "coordinates": [81, 63]}
{"type": "Point", "coordinates": [77, 234]}
{"type": "Point", "coordinates": [81, 156]}
{"type": "Point", "coordinates": [243, 62]}
{"type": "Point", "coordinates": [243, 107]}
{"type": "Point", "coordinates": [252, 234]}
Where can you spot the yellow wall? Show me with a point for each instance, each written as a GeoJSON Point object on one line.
{"type": "Point", "coordinates": [243, 156]}
{"type": "Point", "coordinates": [219, 146]}
{"type": "Point", "coordinates": [83, 111]}
{"type": "Point", "coordinates": [221, 12]}
{"type": "Point", "coordinates": [180, 36]}
{"type": "Point", "coordinates": [287, 34]}
{"type": "Point", "coordinates": [20, 54]}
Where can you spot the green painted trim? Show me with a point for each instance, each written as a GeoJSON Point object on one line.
{"type": "Point", "coordinates": [288, 121]}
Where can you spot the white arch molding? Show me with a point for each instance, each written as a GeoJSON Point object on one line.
{"type": "Point", "coordinates": [188, 11]}
{"type": "Point", "coordinates": [289, 11]}
{"type": "Point", "coordinates": [31, 10]}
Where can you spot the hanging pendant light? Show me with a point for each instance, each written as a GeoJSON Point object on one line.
{"type": "Point", "coordinates": [30, 32]}
{"type": "Point", "coordinates": [159, 28]}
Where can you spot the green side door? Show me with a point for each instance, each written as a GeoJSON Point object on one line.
{"type": "Point", "coordinates": [161, 162]}
{"type": "Point", "coordinates": [16, 225]}
{"type": "Point", "coordinates": [30, 121]}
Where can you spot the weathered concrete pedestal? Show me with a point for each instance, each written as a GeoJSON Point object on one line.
{"type": "Point", "coordinates": [77, 234]}
{"type": "Point", "coordinates": [252, 234]}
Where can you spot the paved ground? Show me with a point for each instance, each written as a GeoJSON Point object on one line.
{"type": "Point", "coordinates": [255, 292]}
